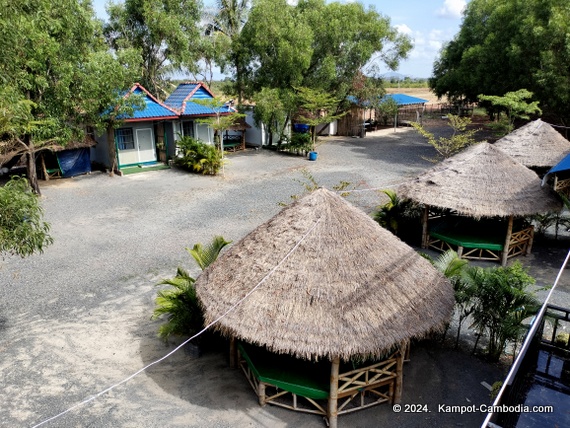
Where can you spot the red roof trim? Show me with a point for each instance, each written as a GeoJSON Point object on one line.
{"type": "Point", "coordinates": [142, 88]}
{"type": "Point", "coordinates": [203, 115]}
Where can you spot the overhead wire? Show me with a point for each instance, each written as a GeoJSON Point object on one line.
{"type": "Point", "coordinates": [215, 321]}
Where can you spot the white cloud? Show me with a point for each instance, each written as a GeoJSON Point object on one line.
{"type": "Point", "coordinates": [452, 9]}
{"type": "Point", "coordinates": [404, 29]}
{"type": "Point", "coordinates": [426, 45]}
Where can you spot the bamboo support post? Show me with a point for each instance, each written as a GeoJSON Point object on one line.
{"type": "Point", "coordinates": [530, 242]}
{"type": "Point", "coordinates": [261, 393]}
{"type": "Point", "coordinates": [399, 376]}
{"type": "Point", "coordinates": [425, 237]}
{"type": "Point", "coordinates": [507, 241]}
{"type": "Point", "coordinates": [332, 412]}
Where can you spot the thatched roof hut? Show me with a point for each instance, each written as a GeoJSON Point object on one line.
{"type": "Point", "coordinates": [481, 181]}
{"type": "Point", "coordinates": [321, 280]}
{"type": "Point", "coordinates": [535, 145]}
{"type": "Point", "coordinates": [335, 284]}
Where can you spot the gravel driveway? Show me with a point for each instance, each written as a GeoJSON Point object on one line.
{"type": "Point", "coordinates": [76, 319]}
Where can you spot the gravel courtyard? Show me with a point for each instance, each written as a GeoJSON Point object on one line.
{"type": "Point", "coordinates": [76, 319]}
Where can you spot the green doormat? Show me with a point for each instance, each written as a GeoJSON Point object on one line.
{"type": "Point", "coordinates": [135, 169]}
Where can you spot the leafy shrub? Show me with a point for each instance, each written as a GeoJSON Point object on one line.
{"type": "Point", "coordinates": [22, 230]}
{"type": "Point", "coordinates": [402, 217]}
{"type": "Point", "coordinates": [197, 156]}
{"type": "Point", "coordinates": [300, 141]}
{"type": "Point", "coordinates": [179, 303]}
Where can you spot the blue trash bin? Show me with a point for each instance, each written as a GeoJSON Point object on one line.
{"type": "Point", "coordinates": [312, 156]}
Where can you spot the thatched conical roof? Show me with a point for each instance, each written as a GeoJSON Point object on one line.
{"type": "Point", "coordinates": [536, 144]}
{"type": "Point", "coordinates": [333, 283]}
{"type": "Point", "coordinates": [482, 181]}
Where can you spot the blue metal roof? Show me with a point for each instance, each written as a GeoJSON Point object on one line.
{"type": "Point", "coordinates": [404, 100]}
{"type": "Point", "coordinates": [177, 97]}
{"type": "Point", "coordinates": [183, 96]}
{"type": "Point", "coordinates": [401, 99]}
{"type": "Point", "coordinates": [153, 108]}
{"type": "Point", "coordinates": [194, 109]}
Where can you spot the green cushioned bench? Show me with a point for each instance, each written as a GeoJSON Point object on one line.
{"type": "Point", "coordinates": [468, 233]}
{"type": "Point", "coordinates": [304, 378]}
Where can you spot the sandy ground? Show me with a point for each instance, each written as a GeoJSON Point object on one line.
{"type": "Point", "coordinates": [76, 319]}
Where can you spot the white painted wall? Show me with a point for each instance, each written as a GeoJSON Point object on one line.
{"type": "Point", "coordinates": [329, 128]}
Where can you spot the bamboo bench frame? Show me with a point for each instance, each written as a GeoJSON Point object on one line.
{"type": "Point", "coordinates": [518, 243]}
{"type": "Point", "coordinates": [359, 388]}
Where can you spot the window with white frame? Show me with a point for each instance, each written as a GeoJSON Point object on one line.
{"type": "Point", "coordinates": [125, 138]}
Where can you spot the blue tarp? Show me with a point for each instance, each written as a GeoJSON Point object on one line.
{"type": "Point", "coordinates": [563, 165]}
{"type": "Point", "coordinates": [74, 161]}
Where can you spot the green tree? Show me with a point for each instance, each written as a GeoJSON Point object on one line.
{"type": "Point", "coordinates": [56, 68]}
{"type": "Point", "coordinates": [272, 109]}
{"type": "Point", "coordinates": [223, 117]}
{"type": "Point", "coordinates": [514, 105]}
{"type": "Point", "coordinates": [163, 31]}
{"type": "Point", "coordinates": [316, 44]}
{"type": "Point", "coordinates": [22, 229]}
{"type": "Point", "coordinates": [320, 107]}
{"type": "Point", "coordinates": [445, 147]}
{"type": "Point", "coordinates": [179, 304]}
{"type": "Point", "coordinates": [503, 46]}
{"type": "Point", "coordinates": [387, 109]}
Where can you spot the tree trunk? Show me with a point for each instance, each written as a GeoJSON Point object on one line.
{"type": "Point", "coordinates": [31, 165]}
{"type": "Point", "coordinates": [112, 151]}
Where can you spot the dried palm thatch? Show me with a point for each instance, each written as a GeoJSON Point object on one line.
{"type": "Point", "coordinates": [482, 181]}
{"type": "Point", "coordinates": [536, 144]}
{"type": "Point", "coordinates": [349, 288]}
{"type": "Point", "coordinates": [87, 141]}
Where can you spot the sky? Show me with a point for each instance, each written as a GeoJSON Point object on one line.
{"type": "Point", "coordinates": [430, 23]}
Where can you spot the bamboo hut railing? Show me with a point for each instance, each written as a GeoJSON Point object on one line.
{"type": "Point", "coordinates": [516, 242]}
{"type": "Point", "coordinates": [357, 389]}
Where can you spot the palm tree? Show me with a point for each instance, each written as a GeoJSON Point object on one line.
{"type": "Point", "coordinates": [228, 19]}
{"type": "Point", "coordinates": [502, 302]}
{"type": "Point", "coordinates": [454, 268]}
{"type": "Point", "coordinates": [180, 304]}
{"type": "Point", "coordinates": [397, 215]}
